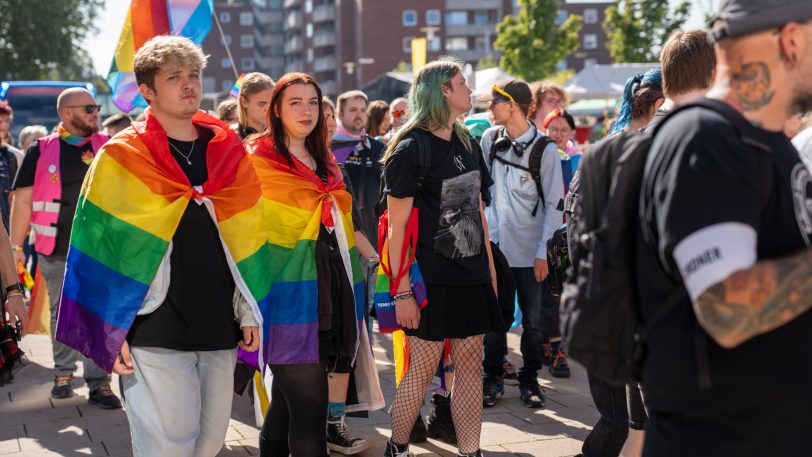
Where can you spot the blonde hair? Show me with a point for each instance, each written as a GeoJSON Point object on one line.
{"type": "Point", "coordinates": [165, 50]}
{"type": "Point", "coordinates": [252, 83]}
{"type": "Point", "coordinates": [540, 89]}
{"type": "Point", "coordinates": [351, 95]}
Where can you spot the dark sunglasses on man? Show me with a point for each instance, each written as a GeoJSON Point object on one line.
{"type": "Point", "coordinates": [89, 109]}
{"type": "Point", "coordinates": [399, 113]}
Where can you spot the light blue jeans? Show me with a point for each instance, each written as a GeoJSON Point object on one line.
{"type": "Point", "coordinates": [178, 403]}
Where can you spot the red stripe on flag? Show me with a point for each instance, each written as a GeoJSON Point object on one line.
{"type": "Point", "coordinates": [149, 18]}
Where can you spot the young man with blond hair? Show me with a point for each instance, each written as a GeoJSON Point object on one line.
{"type": "Point", "coordinates": [154, 288]}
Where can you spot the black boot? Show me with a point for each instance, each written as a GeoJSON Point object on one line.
{"type": "Point", "coordinates": [441, 425]}
{"type": "Point", "coordinates": [268, 448]}
{"type": "Point", "coordinates": [418, 434]}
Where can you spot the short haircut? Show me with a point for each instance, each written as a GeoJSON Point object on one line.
{"type": "Point", "coordinates": [68, 95]}
{"type": "Point", "coordinates": [351, 95]}
{"type": "Point", "coordinates": [32, 132]}
{"type": "Point", "coordinates": [563, 114]}
{"type": "Point", "coordinates": [397, 101]}
{"type": "Point", "coordinates": [542, 88]}
{"type": "Point", "coordinates": [117, 119]}
{"type": "Point", "coordinates": [688, 60]}
{"type": "Point", "coordinates": [163, 51]}
{"type": "Point", "coordinates": [226, 109]}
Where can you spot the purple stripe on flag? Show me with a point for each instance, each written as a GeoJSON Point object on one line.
{"type": "Point", "coordinates": [294, 343]}
{"type": "Point", "coordinates": [83, 331]}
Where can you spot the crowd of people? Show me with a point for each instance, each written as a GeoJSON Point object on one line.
{"type": "Point", "coordinates": [185, 251]}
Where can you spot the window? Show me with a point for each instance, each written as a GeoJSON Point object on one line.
{"type": "Point", "coordinates": [590, 41]}
{"type": "Point", "coordinates": [456, 18]}
{"type": "Point", "coordinates": [457, 43]}
{"type": "Point", "coordinates": [247, 63]}
{"type": "Point", "coordinates": [480, 44]}
{"type": "Point", "coordinates": [432, 17]}
{"type": "Point", "coordinates": [226, 85]}
{"type": "Point", "coordinates": [246, 18]}
{"type": "Point", "coordinates": [309, 54]}
{"type": "Point", "coordinates": [482, 18]}
{"type": "Point", "coordinates": [434, 45]}
{"type": "Point", "coordinates": [209, 84]}
{"type": "Point", "coordinates": [407, 43]}
{"type": "Point", "coordinates": [309, 30]}
{"type": "Point", "coordinates": [225, 62]}
{"type": "Point", "coordinates": [561, 17]}
{"type": "Point", "coordinates": [308, 6]}
{"type": "Point", "coordinates": [590, 16]}
{"type": "Point", "coordinates": [226, 40]}
{"type": "Point", "coordinates": [247, 41]}
{"type": "Point", "coordinates": [410, 18]}
{"type": "Point", "coordinates": [225, 17]}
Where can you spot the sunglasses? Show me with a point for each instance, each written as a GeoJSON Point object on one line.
{"type": "Point", "coordinates": [399, 113]}
{"type": "Point", "coordinates": [504, 94]}
{"type": "Point", "coordinates": [89, 109]}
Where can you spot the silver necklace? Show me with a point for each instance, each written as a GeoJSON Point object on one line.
{"type": "Point", "coordinates": [185, 156]}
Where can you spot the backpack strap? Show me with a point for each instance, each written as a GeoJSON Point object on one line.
{"type": "Point", "coordinates": [534, 162]}
{"type": "Point", "coordinates": [423, 157]}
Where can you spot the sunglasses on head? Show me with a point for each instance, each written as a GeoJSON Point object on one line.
{"type": "Point", "coordinates": [88, 108]}
{"type": "Point", "coordinates": [503, 94]}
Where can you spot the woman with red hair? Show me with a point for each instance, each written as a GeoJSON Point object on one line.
{"type": "Point", "coordinates": [313, 314]}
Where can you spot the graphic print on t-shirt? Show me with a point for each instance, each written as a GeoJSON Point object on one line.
{"type": "Point", "coordinates": [459, 234]}
{"type": "Point", "coordinates": [802, 197]}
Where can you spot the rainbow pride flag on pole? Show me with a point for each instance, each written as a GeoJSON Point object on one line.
{"type": "Point", "coordinates": [131, 203]}
{"type": "Point", "coordinates": [147, 19]}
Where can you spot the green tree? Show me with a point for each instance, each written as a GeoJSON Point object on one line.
{"type": "Point", "coordinates": [531, 42]}
{"type": "Point", "coordinates": [637, 29]}
{"type": "Point", "coordinates": [486, 62]}
{"type": "Point", "coordinates": [42, 38]}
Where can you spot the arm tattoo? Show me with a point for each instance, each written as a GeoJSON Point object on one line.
{"type": "Point", "coordinates": [754, 301]}
{"type": "Point", "coordinates": [751, 85]}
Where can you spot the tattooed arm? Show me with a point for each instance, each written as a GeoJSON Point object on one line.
{"type": "Point", "coordinates": [754, 301]}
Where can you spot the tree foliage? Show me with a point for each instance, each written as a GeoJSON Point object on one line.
{"type": "Point", "coordinates": [531, 42]}
{"type": "Point", "coordinates": [40, 39]}
{"type": "Point", "coordinates": [637, 29]}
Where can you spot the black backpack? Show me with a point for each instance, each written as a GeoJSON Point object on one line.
{"type": "Point", "coordinates": [600, 310]}
{"type": "Point", "coordinates": [533, 163]}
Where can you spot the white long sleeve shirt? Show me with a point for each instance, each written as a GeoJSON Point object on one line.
{"type": "Point", "coordinates": [521, 236]}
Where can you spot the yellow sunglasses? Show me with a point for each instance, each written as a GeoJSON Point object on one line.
{"type": "Point", "coordinates": [503, 93]}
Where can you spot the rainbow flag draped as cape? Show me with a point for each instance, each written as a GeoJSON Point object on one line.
{"type": "Point", "coordinates": [147, 19]}
{"type": "Point", "coordinates": [131, 203]}
{"type": "Point", "coordinates": [297, 203]}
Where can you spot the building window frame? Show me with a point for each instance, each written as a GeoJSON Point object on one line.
{"type": "Point", "coordinates": [433, 17]}
{"type": "Point", "coordinates": [225, 17]}
{"type": "Point", "coordinates": [409, 18]}
{"type": "Point", "coordinates": [246, 18]}
{"type": "Point", "coordinates": [247, 63]}
{"type": "Point", "coordinates": [591, 16]}
{"type": "Point", "coordinates": [590, 41]}
{"type": "Point", "coordinates": [247, 41]}
{"type": "Point", "coordinates": [407, 43]}
{"type": "Point", "coordinates": [451, 17]}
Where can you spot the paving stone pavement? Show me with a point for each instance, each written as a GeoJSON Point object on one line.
{"type": "Point", "coordinates": [32, 424]}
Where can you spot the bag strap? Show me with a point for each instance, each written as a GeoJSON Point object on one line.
{"type": "Point", "coordinates": [423, 157]}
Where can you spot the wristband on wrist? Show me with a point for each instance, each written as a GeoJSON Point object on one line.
{"type": "Point", "coordinates": [403, 296]}
{"type": "Point", "coordinates": [17, 248]}
{"type": "Point", "coordinates": [14, 294]}
{"type": "Point", "coordinates": [16, 287]}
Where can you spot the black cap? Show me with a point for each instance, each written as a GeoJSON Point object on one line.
{"type": "Point", "coordinates": [737, 18]}
{"type": "Point", "coordinates": [517, 89]}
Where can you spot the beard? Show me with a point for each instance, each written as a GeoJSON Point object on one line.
{"type": "Point", "coordinates": [802, 101]}
{"type": "Point", "coordinates": [84, 129]}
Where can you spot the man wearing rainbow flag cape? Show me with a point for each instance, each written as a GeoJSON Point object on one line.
{"type": "Point", "coordinates": [167, 261]}
{"type": "Point", "coordinates": [46, 191]}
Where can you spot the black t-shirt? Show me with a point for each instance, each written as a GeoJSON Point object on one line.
{"type": "Point", "coordinates": [198, 312]}
{"type": "Point", "coordinates": [73, 164]}
{"type": "Point", "coordinates": [451, 244]}
{"type": "Point", "coordinates": [8, 169]}
{"type": "Point", "coordinates": [707, 201]}
{"type": "Point", "coordinates": [364, 171]}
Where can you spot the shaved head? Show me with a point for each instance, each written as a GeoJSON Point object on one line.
{"type": "Point", "coordinates": [70, 106]}
{"type": "Point", "coordinates": [74, 95]}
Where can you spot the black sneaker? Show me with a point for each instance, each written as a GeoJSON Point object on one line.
{"type": "Point", "coordinates": [511, 378]}
{"type": "Point", "coordinates": [62, 387]}
{"type": "Point", "coordinates": [440, 424]}
{"type": "Point", "coordinates": [104, 398]}
{"type": "Point", "coordinates": [340, 439]}
{"type": "Point", "coordinates": [478, 453]}
{"type": "Point", "coordinates": [418, 434]}
{"type": "Point", "coordinates": [492, 389]}
{"type": "Point", "coordinates": [531, 395]}
{"type": "Point", "coordinates": [560, 368]}
{"type": "Point", "coordinates": [394, 450]}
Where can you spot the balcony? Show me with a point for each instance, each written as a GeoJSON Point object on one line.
{"type": "Point", "coordinates": [472, 4]}
{"type": "Point", "coordinates": [470, 30]}
{"type": "Point", "coordinates": [291, 3]}
{"type": "Point", "coordinates": [324, 13]}
{"type": "Point", "coordinates": [268, 40]}
{"type": "Point", "coordinates": [323, 39]}
{"type": "Point", "coordinates": [324, 63]}
{"type": "Point", "coordinates": [329, 87]}
{"type": "Point", "coordinates": [294, 65]}
{"type": "Point", "coordinates": [293, 45]}
{"type": "Point", "coordinates": [293, 20]}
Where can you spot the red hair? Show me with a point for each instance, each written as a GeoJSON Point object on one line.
{"type": "Point", "coordinates": [316, 141]}
{"type": "Point", "coordinates": [555, 114]}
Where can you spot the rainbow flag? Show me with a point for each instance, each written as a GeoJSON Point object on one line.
{"type": "Point", "coordinates": [39, 306]}
{"type": "Point", "coordinates": [147, 19]}
{"type": "Point", "coordinates": [235, 89]}
{"type": "Point", "coordinates": [131, 202]}
{"type": "Point", "coordinates": [297, 203]}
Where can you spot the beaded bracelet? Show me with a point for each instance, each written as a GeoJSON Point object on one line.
{"type": "Point", "coordinates": [14, 294]}
{"type": "Point", "coordinates": [403, 296]}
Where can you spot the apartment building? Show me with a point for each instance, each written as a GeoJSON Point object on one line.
{"type": "Point", "coordinates": [592, 39]}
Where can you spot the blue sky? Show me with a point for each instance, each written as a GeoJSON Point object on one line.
{"type": "Point", "coordinates": [102, 45]}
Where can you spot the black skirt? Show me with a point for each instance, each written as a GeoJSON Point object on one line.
{"type": "Point", "coordinates": [458, 312]}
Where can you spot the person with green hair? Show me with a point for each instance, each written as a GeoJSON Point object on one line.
{"type": "Point", "coordinates": [452, 252]}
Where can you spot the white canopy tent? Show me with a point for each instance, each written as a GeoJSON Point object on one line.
{"type": "Point", "coordinates": [601, 81]}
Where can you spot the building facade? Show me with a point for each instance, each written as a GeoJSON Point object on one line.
{"type": "Point", "coordinates": [593, 39]}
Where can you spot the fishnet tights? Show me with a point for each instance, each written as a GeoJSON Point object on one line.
{"type": "Point", "coordinates": [466, 401]}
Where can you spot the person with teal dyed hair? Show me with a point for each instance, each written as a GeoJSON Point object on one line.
{"type": "Point", "coordinates": [453, 253]}
{"type": "Point", "coordinates": [642, 96]}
